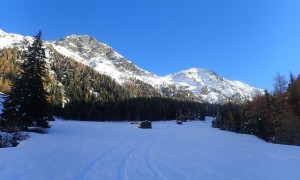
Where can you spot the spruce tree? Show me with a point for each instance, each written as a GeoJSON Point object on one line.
{"type": "Point", "coordinates": [28, 104]}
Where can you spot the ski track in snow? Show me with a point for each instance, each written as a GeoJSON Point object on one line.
{"type": "Point", "coordinates": [91, 165]}
{"type": "Point", "coordinates": [122, 170]}
{"type": "Point", "coordinates": [150, 164]}
{"type": "Point", "coordinates": [177, 174]}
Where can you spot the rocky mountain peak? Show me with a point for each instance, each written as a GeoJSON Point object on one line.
{"type": "Point", "coordinates": [211, 87]}
{"type": "Point", "coordinates": [86, 46]}
{"type": "Point", "coordinates": [195, 75]}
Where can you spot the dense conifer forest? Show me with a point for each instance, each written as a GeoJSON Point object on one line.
{"type": "Point", "coordinates": [134, 109]}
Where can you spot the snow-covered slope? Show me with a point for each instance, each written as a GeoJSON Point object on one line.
{"type": "Point", "coordinates": [8, 40]}
{"type": "Point", "coordinates": [211, 87]}
{"type": "Point", "coordinates": [102, 58]}
{"type": "Point", "coordinates": [205, 84]}
{"type": "Point", "coordinates": [193, 151]}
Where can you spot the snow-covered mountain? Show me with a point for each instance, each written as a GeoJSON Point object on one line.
{"type": "Point", "coordinates": [9, 40]}
{"type": "Point", "coordinates": [102, 58]}
{"type": "Point", "coordinates": [211, 87]}
{"type": "Point", "coordinates": [203, 84]}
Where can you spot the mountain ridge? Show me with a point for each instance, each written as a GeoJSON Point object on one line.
{"type": "Point", "coordinates": [204, 84]}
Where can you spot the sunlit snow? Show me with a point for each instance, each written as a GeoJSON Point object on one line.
{"type": "Point", "coordinates": [120, 150]}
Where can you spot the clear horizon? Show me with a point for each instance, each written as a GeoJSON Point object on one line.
{"type": "Point", "coordinates": [248, 41]}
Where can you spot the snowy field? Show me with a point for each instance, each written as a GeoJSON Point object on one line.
{"type": "Point", "coordinates": [107, 150]}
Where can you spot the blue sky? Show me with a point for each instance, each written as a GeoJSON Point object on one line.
{"type": "Point", "coordinates": [246, 40]}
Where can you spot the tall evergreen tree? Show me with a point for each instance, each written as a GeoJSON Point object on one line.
{"type": "Point", "coordinates": [28, 104]}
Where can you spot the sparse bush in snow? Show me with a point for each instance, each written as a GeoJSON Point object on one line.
{"type": "Point", "coordinates": [11, 139]}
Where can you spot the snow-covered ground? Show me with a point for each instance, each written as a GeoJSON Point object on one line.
{"type": "Point", "coordinates": [108, 150]}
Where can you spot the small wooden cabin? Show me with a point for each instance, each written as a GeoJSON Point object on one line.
{"type": "Point", "coordinates": [145, 124]}
{"type": "Point", "coordinates": [178, 122]}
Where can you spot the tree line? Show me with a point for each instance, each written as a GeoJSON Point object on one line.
{"type": "Point", "coordinates": [136, 109]}
{"type": "Point", "coordinates": [273, 117]}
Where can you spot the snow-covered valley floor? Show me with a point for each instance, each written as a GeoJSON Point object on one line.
{"type": "Point", "coordinates": [107, 150]}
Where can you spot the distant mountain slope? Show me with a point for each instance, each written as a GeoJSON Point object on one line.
{"type": "Point", "coordinates": [211, 87]}
{"type": "Point", "coordinates": [192, 84]}
{"type": "Point", "coordinates": [102, 58]}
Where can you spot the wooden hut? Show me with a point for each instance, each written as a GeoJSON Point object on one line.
{"type": "Point", "coordinates": [178, 122]}
{"type": "Point", "coordinates": [145, 124]}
